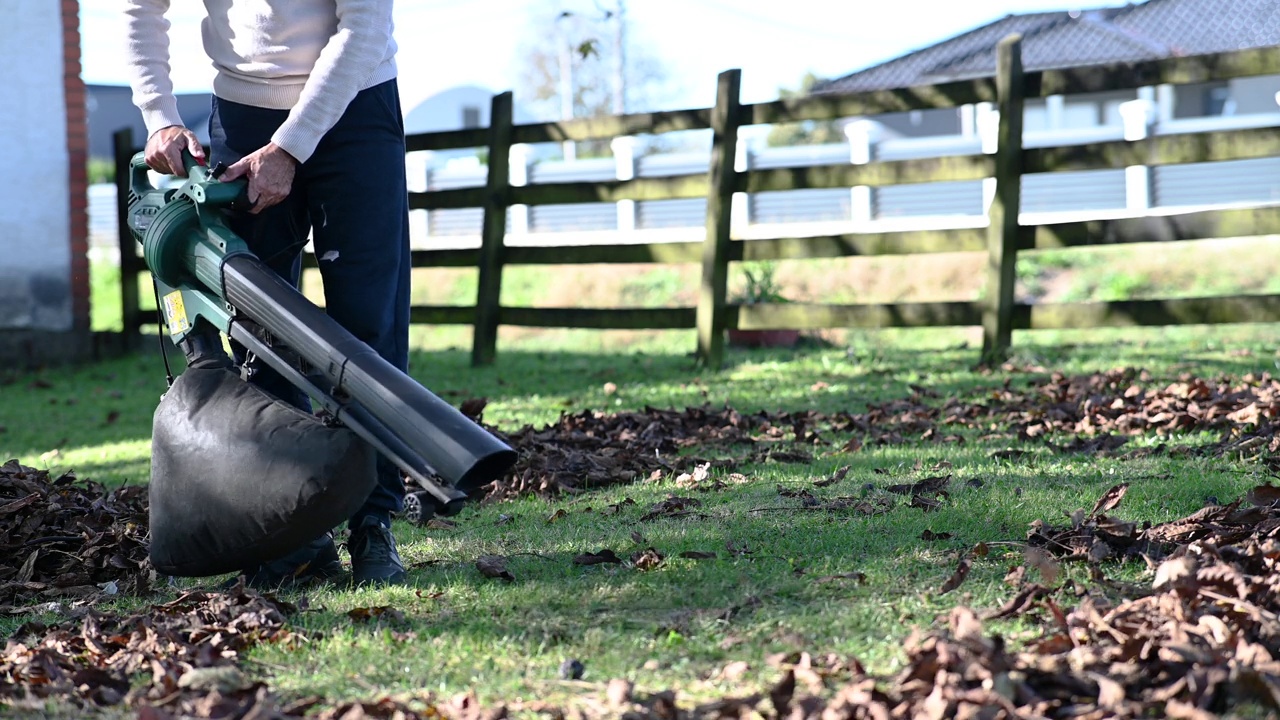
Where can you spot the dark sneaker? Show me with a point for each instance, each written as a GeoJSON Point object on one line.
{"type": "Point", "coordinates": [374, 560]}
{"type": "Point", "coordinates": [316, 561]}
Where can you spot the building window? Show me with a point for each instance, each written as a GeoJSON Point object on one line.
{"type": "Point", "coordinates": [470, 117]}
{"type": "Point", "coordinates": [1203, 100]}
{"type": "Point", "coordinates": [1217, 101]}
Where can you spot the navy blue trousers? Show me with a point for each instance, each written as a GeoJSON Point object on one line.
{"type": "Point", "coordinates": [350, 197]}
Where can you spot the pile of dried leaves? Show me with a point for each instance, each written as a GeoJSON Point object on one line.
{"type": "Point", "coordinates": [593, 449]}
{"type": "Point", "coordinates": [1203, 637]}
{"type": "Point", "coordinates": [63, 538]}
{"type": "Point", "coordinates": [185, 649]}
{"type": "Point", "coordinates": [178, 659]}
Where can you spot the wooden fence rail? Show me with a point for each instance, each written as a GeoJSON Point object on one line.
{"type": "Point", "coordinates": [997, 313]}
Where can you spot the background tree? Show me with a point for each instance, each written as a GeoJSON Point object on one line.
{"type": "Point", "coordinates": [808, 132]}
{"type": "Point", "coordinates": [570, 65]}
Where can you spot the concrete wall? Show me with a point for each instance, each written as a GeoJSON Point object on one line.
{"type": "Point", "coordinates": [35, 277]}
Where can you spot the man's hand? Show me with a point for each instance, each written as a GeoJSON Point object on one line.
{"type": "Point", "coordinates": [165, 146]}
{"type": "Point", "coordinates": [270, 172]}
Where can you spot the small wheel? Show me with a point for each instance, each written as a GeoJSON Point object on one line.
{"type": "Point", "coordinates": [416, 508]}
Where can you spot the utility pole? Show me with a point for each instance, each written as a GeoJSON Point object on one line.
{"type": "Point", "coordinates": [620, 59]}
{"type": "Point", "coordinates": [566, 84]}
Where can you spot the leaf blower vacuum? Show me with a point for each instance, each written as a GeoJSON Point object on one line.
{"type": "Point", "coordinates": [239, 477]}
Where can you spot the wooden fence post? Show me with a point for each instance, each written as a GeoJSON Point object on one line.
{"type": "Point", "coordinates": [725, 119]}
{"type": "Point", "coordinates": [130, 264]}
{"type": "Point", "coordinates": [497, 198]}
{"type": "Point", "coordinates": [1002, 234]}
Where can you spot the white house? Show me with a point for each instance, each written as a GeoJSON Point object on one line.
{"type": "Point", "coordinates": [1151, 30]}
{"type": "Point", "coordinates": [44, 280]}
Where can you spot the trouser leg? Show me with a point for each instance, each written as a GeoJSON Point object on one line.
{"type": "Point", "coordinates": [351, 196]}
{"type": "Point", "coordinates": [277, 234]}
{"type": "Point", "coordinates": [358, 205]}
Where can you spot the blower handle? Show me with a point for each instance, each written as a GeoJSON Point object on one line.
{"type": "Point", "coordinates": [202, 183]}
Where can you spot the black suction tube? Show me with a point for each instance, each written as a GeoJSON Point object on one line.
{"type": "Point", "coordinates": [463, 453]}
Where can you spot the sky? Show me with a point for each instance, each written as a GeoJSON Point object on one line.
{"type": "Point", "coordinates": [446, 43]}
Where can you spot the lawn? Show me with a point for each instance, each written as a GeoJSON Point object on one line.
{"type": "Point", "coordinates": [741, 581]}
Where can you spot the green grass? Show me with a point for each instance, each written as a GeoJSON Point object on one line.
{"type": "Point", "coordinates": [676, 626]}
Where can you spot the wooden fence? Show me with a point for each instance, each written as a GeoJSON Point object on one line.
{"type": "Point", "coordinates": [997, 312]}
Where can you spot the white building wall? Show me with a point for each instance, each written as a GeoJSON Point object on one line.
{"type": "Point", "coordinates": [35, 252]}
{"type": "Point", "coordinates": [1256, 94]}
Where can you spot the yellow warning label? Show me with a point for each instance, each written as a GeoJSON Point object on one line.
{"type": "Point", "coordinates": [175, 313]}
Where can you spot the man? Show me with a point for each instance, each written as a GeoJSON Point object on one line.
{"type": "Point", "coordinates": [306, 107]}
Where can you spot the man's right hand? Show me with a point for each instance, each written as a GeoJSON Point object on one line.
{"type": "Point", "coordinates": [165, 146]}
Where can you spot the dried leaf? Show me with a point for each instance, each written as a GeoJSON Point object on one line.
{"type": "Point", "coordinates": [1110, 499]}
{"type": "Point", "coordinates": [1264, 495]}
{"type": "Point", "coordinates": [1043, 562]}
{"type": "Point", "coordinates": [379, 614]}
{"type": "Point", "coordinates": [474, 407]}
{"type": "Point", "coordinates": [648, 559]}
{"type": "Point", "coordinates": [597, 558]}
{"type": "Point", "coordinates": [698, 555]}
{"type": "Point", "coordinates": [836, 477]}
{"type": "Point", "coordinates": [957, 577]}
{"type": "Point", "coordinates": [1175, 573]}
{"type": "Point", "coordinates": [494, 566]}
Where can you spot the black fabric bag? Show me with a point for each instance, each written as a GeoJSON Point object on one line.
{"type": "Point", "coordinates": [239, 478]}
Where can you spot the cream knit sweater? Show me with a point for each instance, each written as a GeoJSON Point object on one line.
{"type": "Point", "coordinates": [309, 57]}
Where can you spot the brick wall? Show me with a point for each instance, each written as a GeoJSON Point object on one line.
{"type": "Point", "coordinates": [78, 158]}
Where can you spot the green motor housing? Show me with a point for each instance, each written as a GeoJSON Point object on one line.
{"type": "Point", "coordinates": [185, 242]}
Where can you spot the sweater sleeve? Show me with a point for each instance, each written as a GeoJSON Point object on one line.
{"type": "Point", "coordinates": [147, 54]}
{"type": "Point", "coordinates": [345, 64]}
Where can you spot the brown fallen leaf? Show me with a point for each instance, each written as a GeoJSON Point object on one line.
{"type": "Point", "coordinates": [616, 508]}
{"type": "Point", "coordinates": [380, 613]}
{"type": "Point", "coordinates": [28, 568]}
{"type": "Point", "coordinates": [697, 555]}
{"type": "Point", "coordinates": [927, 485]}
{"type": "Point", "coordinates": [930, 536]}
{"type": "Point", "coordinates": [1110, 499]}
{"type": "Point", "coordinates": [598, 557]}
{"type": "Point", "coordinates": [558, 515]}
{"type": "Point", "coordinates": [924, 502]}
{"type": "Point", "coordinates": [673, 505]}
{"type": "Point", "coordinates": [836, 477]}
{"type": "Point", "coordinates": [473, 407]}
{"type": "Point", "coordinates": [1043, 562]}
{"type": "Point", "coordinates": [647, 559]}
{"type": "Point", "coordinates": [1176, 573]}
{"type": "Point", "coordinates": [1263, 495]}
{"type": "Point", "coordinates": [957, 577]}
{"type": "Point", "coordinates": [494, 566]}
{"type": "Point", "coordinates": [1015, 575]}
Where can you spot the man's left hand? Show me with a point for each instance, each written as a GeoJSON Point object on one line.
{"type": "Point", "coordinates": [270, 172]}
